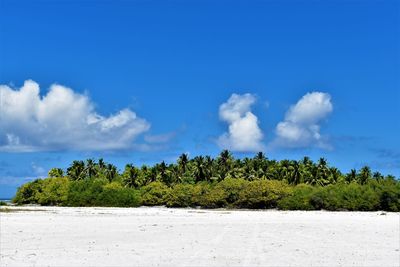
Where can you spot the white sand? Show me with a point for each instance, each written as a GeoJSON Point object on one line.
{"type": "Point", "coordinates": [185, 237]}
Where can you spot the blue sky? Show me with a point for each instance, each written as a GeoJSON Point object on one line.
{"type": "Point", "coordinates": [149, 80]}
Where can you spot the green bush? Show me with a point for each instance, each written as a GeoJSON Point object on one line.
{"type": "Point", "coordinates": [262, 194]}
{"type": "Point", "coordinates": [84, 193]}
{"type": "Point", "coordinates": [99, 192]}
{"type": "Point", "coordinates": [351, 196]}
{"type": "Point", "coordinates": [154, 194]}
{"type": "Point", "coordinates": [118, 197]}
{"type": "Point", "coordinates": [200, 192]}
{"type": "Point", "coordinates": [181, 195]}
{"type": "Point", "coordinates": [299, 199]}
{"type": "Point", "coordinates": [215, 197]}
{"type": "Point", "coordinates": [54, 191]}
{"type": "Point", "coordinates": [232, 188]}
{"type": "Point", "coordinates": [28, 193]}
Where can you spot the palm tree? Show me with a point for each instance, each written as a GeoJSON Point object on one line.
{"type": "Point", "coordinates": [295, 173]}
{"type": "Point", "coordinates": [377, 176]}
{"type": "Point", "coordinates": [364, 175]}
{"type": "Point", "coordinates": [111, 172]}
{"type": "Point", "coordinates": [90, 168]}
{"type": "Point", "coordinates": [335, 175]}
{"type": "Point", "coordinates": [131, 176]}
{"type": "Point", "coordinates": [323, 171]}
{"type": "Point", "coordinates": [351, 176]}
{"type": "Point", "coordinates": [163, 173]}
{"type": "Point", "coordinates": [101, 164]}
{"type": "Point", "coordinates": [77, 170]}
{"type": "Point", "coordinates": [224, 163]}
{"type": "Point", "coordinates": [260, 156]}
{"type": "Point", "coordinates": [199, 171]}
{"type": "Point", "coordinates": [306, 161]}
{"type": "Point", "coordinates": [56, 172]}
{"type": "Point", "coordinates": [182, 162]}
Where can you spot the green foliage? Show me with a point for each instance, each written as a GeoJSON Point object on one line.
{"type": "Point", "coordinates": [118, 197]}
{"type": "Point", "coordinates": [353, 197]}
{"type": "Point", "coordinates": [101, 193]}
{"type": "Point", "coordinates": [298, 199]}
{"type": "Point", "coordinates": [28, 193]}
{"type": "Point", "coordinates": [181, 195]}
{"type": "Point", "coordinates": [215, 183]}
{"type": "Point", "coordinates": [154, 194]}
{"type": "Point", "coordinates": [3, 203]}
{"type": "Point", "coordinates": [262, 194]}
{"type": "Point", "coordinates": [54, 191]}
{"type": "Point", "coordinates": [83, 193]}
{"type": "Point", "coordinates": [56, 172]}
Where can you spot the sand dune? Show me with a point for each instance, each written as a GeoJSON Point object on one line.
{"type": "Point", "coordinates": [55, 236]}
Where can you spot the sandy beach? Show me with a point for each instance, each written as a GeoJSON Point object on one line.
{"type": "Point", "coordinates": [57, 236]}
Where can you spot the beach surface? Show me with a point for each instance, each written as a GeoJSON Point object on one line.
{"type": "Point", "coordinates": [157, 236]}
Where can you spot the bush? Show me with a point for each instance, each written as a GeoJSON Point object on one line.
{"type": "Point", "coordinates": [28, 193]}
{"type": "Point", "coordinates": [299, 199]}
{"type": "Point", "coordinates": [99, 192]}
{"type": "Point", "coordinates": [262, 194]}
{"type": "Point", "coordinates": [181, 195]}
{"type": "Point", "coordinates": [83, 193]}
{"type": "Point", "coordinates": [335, 197]}
{"type": "Point", "coordinates": [232, 188]}
{"type": "Point", "coordinates": [215, 197]}
{"type": "Point", "coordinates": [54, 191]}
{"type": "Point", "coordinates": [389, 194]}
{"type": "Point", "coordinates": [118, 197]}
{"type": "Point", "coordinates": [154, 194]}
{"type": "Point", "coordinates": [200, 192]}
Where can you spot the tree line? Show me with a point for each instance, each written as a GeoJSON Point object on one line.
{"type": "Point", "coordinates": [224, 181]}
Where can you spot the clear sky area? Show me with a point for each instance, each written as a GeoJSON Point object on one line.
{"type": "Point", "coordinates": [145, 81]}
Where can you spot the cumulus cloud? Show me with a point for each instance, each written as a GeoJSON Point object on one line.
{"type": "Point", "coordinates": [61, 120]}
{"type": "Point", "coordinates": [243, 134]}
{"type": "Point", "coordinates": [301, 126]}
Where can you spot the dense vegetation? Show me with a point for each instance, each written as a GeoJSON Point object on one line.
{"type": "Point", "coordinates": [214, 183]}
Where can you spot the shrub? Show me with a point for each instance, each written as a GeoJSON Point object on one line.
{"type": "Point", "coordinates": [180, 195]}
{"type": "Point", "coordinates": [118, 197]}
{"type": "Point", "coordinates": [352, 196]}
{"type": "Point", "coordinates": [28, 193]}
{"type": "Point", "coordinates": [83, 193]}
{"type": "Point", "coordinates": [261, 194]}
{"type": "Point", "coordinates": [299, 199]}
{"type": "Point", "coordinates": [54, 191]}
{"type": "Point", "coordinates": [200, 192]}
{"type": "Point", "coordinates": [232, 188]}
{"type": "Point", "coordinates": [154, 194]}
{"type": "Point", "coordinates": [389, 194]}
{"type": "Point", "coordinates": [99, 192]}
{"type": "Point", "coordinates": [214, 198]}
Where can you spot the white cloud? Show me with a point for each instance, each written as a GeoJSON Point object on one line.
{"type": "Point", "coordinates": [61, 120]}
{"type": "Point", "coordinates": [301, 126]}
{"type": "Point", "coordinates": [244, 133]}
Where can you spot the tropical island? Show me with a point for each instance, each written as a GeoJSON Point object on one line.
{"type": "Point", "coordinates": [221, 182]}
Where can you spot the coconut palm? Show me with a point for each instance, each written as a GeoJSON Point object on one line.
{"type": "Point", "coordinates": [364, 175]}
{"type": "Point", "coordinates": [77, 170]}
{"type": "Point", "coordinates": [131, 176]}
